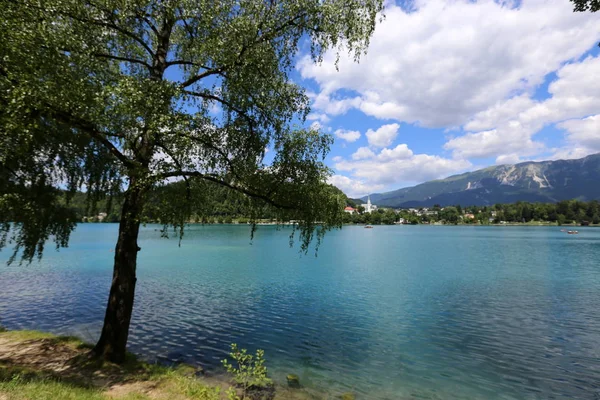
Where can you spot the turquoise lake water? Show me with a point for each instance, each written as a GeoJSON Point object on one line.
{"type": "Point", "coordinates": [394, 312]}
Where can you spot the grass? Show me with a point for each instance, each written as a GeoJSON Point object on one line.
{"type": "Point", "coordinates": [18, 388]}
{"type": "Point", "coordinates": [41, 366]}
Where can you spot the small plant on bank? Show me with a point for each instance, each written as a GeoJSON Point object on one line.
{"type": "Point", "coordinates": [249, 373]}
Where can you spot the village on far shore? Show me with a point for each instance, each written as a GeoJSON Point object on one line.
{"type": "Point", "coordinates": [412, 216]}
{"type": "Point", "coordinates": [562, 213]}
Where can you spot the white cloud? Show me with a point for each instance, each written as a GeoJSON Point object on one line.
{"type": "Point", "coordinates": [501, 112]}
{"type": "Point", "coordinates": [574, 94]}
{"type": "Point", "coordinates": [447, 60]}
{"type": "Point", "coordinates": [399, 152]}
{"type": "Point", "coordinates": [316, 126]}
{"type": "Point", "coordinates": [398, 166]}
{"type": "Point", "coordinates": [473, 68]}
{"type": "Point", "coordinates": [568, 153]}
{"type": "Point", "coordinates": [348, 136]}
{"type": "Point", "coordinates": [215, 109]}
{"type": "Point", "coordinates": [332, 105]}
{"type": "Point", "coordinates": [323, 118]}
{"type": "Point", "coordinates": [584, 132]}
{"type": "Point", "coordinates": [362, 153]}
{"type": "Point", "coordinates": [511, 138]}
{"type": "Point", "coordinates": [384, 136]}
{"type": "Point", "coordinates": [508, 159]}
{"type": "Point", "coordinates": [352, 187]}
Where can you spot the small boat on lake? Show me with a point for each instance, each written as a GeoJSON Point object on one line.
{"type": "Point", "coordinates": [572, 232]}
{"type": "Point", "coordinates": [368, 227]}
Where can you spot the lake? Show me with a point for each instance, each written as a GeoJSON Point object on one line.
{"type": "Point", "coordinates": [394, 312]}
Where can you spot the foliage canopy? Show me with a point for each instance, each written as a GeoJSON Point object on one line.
{"type": "Point", "coordinates": [107, 95]}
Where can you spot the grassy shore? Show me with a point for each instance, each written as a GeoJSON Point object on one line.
{"type": "Point", "coordinates": [40, 366]}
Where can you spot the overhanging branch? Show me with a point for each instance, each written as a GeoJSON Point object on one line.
{"type": "Point", "coordinates": [88, 128]}
{"type": "Point", "coordinates": [210, 96]}
{"type": "Point", "coordinates": [215, 179]}
{"type": "Point", "coordinates": [184, 62]}
{"type": "Point", "coordinates": [196, 78]}
{"type": "Point", "coordinates": [125, 59]}
{"type": "Point", "coordinates": [261, 39]}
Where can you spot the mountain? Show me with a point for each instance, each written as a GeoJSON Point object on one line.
{"type": "Point", "coordinates": [546, 181]}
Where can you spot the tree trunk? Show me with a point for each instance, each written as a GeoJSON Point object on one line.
{"type": "Point", "coordinates": [113, 340]}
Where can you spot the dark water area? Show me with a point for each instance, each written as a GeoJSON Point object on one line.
{"type": "Point", "coordinates": [396, 312]}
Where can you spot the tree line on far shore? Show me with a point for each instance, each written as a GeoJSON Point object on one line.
{"type": "Point", "coordinates": [563, 212]}
{"type": "Point", "coordinates": [217, 205]}
{"type": "Point", "coordinates": [212, 203]}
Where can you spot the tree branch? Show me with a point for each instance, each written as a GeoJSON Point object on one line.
{"type": "Point", "coordinates": [114, 26]}
{"type": "Point", "coordinates": [188, 188]}
{"type": "Point", "coordinates": [210, 96]}
{"type": "Point", "coordinates": [126, 59]}
{"type": "Point", "coordinates": [148, 22]}
{"type": "Point", "coordinates": [95, 134]}
{"type": "Point", "coordinates": [194, 79]}
{"type": "Point", "coordinates": [183, 62]}
{"type": "Point", "coordinates": [213, 178]}
{"type": "Point", "coordinates": [222, 153]}
{"type": "Point", "coordinates": [261, 39]}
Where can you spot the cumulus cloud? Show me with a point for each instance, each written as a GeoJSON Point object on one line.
{"type": "Point", "coordinates": [574, 94]}
{"type": "Point", "coordinates": [474, 69]}
{"type": "Point", "coordinates": [316, 126]}
{"type": "Point", "coordinates": [348, 136]}
{"type": "Point", "coordinates": [567, 153]}
{"type": "Point", "coordinates": [323, 118]}
{"type": "Point", "coordinates": [353, 187]}
{"type": "Point", "coordinates": [398, 166]}
{"type": "Point", "coordinates": [447, 60]}
{"type": "Point", "coordinates": [512, 138]}
{"type": "Point", "coordinates": [399, 152]}
{"type": "Point", "coordinates": [583, 132]}
{"type": "Point", "coordinates": [384, 136]}
{"type": "Point", "coordinates": [508, 159]}
{"type": "Point", "coordinates": [362, 153]}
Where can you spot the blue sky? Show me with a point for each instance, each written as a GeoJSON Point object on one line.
{"type": "Point", "coordinates": [455, 85]}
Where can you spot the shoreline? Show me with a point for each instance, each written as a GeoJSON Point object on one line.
{"type": "Point", "coordinates": [542, 224]}
{"type": "Point", "coordinates": [37, 364]}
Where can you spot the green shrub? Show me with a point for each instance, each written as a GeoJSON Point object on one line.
{"type": "Point", "coordinates": [249, 372]}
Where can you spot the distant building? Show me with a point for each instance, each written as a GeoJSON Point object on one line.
{"type": "Point", "coordinates": [470, 216]}
{"type": "Point", "coordinates": [349, 210]}
{"type": "Point", "coordinates": [369, 208]}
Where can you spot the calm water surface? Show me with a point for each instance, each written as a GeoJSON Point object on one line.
{"type": "Point", "coordinates": [397, 312]}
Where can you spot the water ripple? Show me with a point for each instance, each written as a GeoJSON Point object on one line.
{"type": "Point", "coordinates": [396, 313]}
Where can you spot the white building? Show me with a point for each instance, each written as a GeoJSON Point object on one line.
{"type": "Point", "coordinates": [369, 208]}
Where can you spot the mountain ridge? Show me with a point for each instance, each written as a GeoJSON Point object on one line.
{"type": "Point", "coordinates": [533, 181]}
